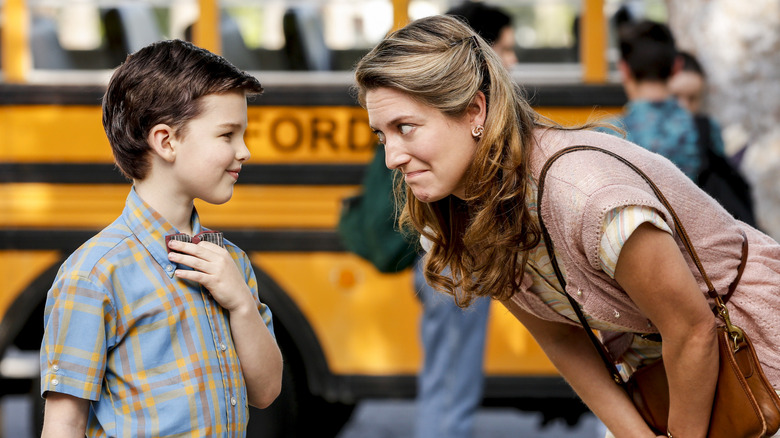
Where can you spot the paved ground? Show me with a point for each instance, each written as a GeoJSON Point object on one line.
{"type": "Point", "coordinates": [374, 419]}
{"type": "Point", "coordinates": [393, 419]}
{"type": "Point", "coordinates": [15, 417]}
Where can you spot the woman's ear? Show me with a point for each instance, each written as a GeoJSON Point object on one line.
{"type": "Point", "coordinates": [161, 139]}
{"type": "Point", "coordinates": [477, 110]}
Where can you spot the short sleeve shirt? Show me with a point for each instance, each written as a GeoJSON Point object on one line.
{"type": "Point", "coordinates": [153, 353]}
{"type": "Point", "coordinates": [619, 224]}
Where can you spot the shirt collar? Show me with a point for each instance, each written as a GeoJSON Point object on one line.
{"type": "Point", "coordinates": [150, 228]}
{"type": "Point", "coordinates": [667, 104]}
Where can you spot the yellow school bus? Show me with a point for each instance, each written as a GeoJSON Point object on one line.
{"type": "Point", "coordinates": [347, 332]}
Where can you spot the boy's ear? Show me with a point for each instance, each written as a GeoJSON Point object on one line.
{"type": "Point", "coordinates": [162, 141]}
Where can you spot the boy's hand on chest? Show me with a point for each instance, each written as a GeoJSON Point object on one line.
{"type": "Point", "coordinates": [214, 269]}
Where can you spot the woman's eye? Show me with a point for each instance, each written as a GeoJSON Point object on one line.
{"type": "Point", "coordinates": [228, 135]}
{"type": "Point", "coordinates": [405, 129]}
{"type": "Point", "coordinates": [381, 136]}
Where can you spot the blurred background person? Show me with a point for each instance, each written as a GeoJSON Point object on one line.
{"type": "Point", "coordinates": [450, 385]}
{"type": "Point", "coordinates": [493, 25]}
{"type": "Point", "coordinates": [688, 83]}
{"type": "Point", "coordinates": [653, 118]}
{"type": "Point", "coordinates": [720, 175]}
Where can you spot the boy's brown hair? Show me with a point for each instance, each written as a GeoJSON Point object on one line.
{"type": "Point", "coordinates": [162, 83]}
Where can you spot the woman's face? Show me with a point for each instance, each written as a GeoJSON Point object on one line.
{"type": "Point", "coordinates": [432, 150]}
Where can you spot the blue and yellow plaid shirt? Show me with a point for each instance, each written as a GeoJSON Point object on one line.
{"type": "Point", "coordinates": [152, 352]}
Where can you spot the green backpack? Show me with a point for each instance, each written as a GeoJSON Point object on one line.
{"type": "Point", "coordinates": [367, 225]}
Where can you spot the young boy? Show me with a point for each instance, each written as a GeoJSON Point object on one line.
{"type": "Point", "coordinates": [144, 340]}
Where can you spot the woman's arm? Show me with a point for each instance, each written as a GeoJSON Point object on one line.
{"type": "Point", "coordinates": [573, 354]}
{"type": "Point", "coordinates": [64, 416]}
{"type": "Point", "coordinates": [653, 271]}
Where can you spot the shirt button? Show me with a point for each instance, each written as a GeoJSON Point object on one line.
{"type": "Point", "coordinates": [233, 401]}
{"type": "Point", "coordinates": [55, 367]}
{"type": "Point", "coordinates": [617, 314]}
{"type": "Point", "coordinates": [169, 268]}
{"type": "Point", "coordinates": [55, 382]}
{"type": "Point", "coordinates": [222, 346]}
{"type": "Point", "coordinates": [579, 293]}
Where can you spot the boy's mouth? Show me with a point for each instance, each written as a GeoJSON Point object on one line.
{"type": "Point", "coordinates": [234, 172]}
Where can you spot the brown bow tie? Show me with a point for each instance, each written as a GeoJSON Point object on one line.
{"type": "Point", "coordinates": [212, 236]}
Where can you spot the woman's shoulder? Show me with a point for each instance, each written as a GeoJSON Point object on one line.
{"type": "Point", "coordinates": [591, 182]}
{"type": "Point", "coordinates": [594, 163]}
{"type": "Point", "coordinates": [589, 164]}
{"type": "Point", "coordinates": [553, 139]}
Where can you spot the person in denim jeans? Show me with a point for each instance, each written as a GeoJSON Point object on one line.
{"type": "Point", "coordinates": [449, 387]}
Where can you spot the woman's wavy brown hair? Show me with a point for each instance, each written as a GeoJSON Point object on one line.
{"type": "Point", "coordinates": [485, 237]}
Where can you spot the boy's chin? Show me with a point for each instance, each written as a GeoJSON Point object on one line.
{"type": "Point", "coordinates": [217, 199]}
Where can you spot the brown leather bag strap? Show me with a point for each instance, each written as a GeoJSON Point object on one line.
{"type": "Point", "coordinates": [677, 223]}
{"type": "Point", "coordinates": [740, 270]}
{"type": "Point", "coordinates": [600, 348]}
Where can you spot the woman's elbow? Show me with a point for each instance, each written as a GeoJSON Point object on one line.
{"type": "Point", "coordinates": [704, 326]}
{"type": "Point", "coordinates": [700, 332]}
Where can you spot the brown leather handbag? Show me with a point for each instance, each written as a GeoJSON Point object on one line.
{"type": "Point", "coordinates": [745, 404]}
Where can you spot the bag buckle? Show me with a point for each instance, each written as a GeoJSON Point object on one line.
{"type": "Point", "coordinates": [736, 333]}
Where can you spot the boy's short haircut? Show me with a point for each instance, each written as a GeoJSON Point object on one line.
{"type": "Point", "coordinates": [649, 50]}
{"type": "Point", "coordinates": [162, 83]}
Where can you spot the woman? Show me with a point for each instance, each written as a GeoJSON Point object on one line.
{"type": "Point", "coordinates": [470, 149]}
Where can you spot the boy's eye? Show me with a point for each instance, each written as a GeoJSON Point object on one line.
{"type": "Point", "coordinates": [227, 135]}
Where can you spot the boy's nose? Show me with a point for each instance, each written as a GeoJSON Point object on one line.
{"type": "Point", "coordinates": [243, 154]}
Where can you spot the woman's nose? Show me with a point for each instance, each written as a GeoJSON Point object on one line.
{"type": "Point", "coordinates": [395, 157]}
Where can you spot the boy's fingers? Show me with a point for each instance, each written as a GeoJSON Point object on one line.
{"type": "Point", "coordinates": [196, 276]}
{"type": "Point", "coordinates": [210, 249]}
{"type": "Point", "coordinates": [193, 262]}
{"type": "Point", "coordinates": [202, 250]}
{"type": "Point", "coordinates": [182, 247]}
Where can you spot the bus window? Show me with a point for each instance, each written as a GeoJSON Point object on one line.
{"type": "Point", "coordinates": [91, 35]}
{"type": "Point", "coordinates": [616, 10]}
{"type": "Point", "coordinates": [545, 32]}
{"type": "Point", "coordinates": [303, 35]}
{"type": "Point", "coordinates": [311, 36]}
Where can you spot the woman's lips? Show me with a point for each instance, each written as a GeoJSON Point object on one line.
{"type": "Point", "coordinates": [412, 175]}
